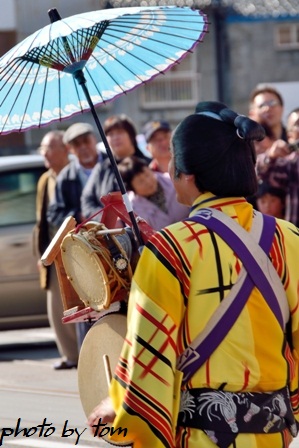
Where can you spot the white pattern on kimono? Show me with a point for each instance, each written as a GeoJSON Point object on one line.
{"type": "Point", "coordinates": [187, 404]}
{"type": "Point", "coordinates": [253, 410]}
{"type": "Point", "coordinates": [222, 401]}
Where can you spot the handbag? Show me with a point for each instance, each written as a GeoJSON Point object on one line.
{"type": "Point", "coordinates": [252, 248]}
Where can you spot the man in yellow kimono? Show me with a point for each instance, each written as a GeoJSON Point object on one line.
{"type": "Point", "coordinates": [245, 394]}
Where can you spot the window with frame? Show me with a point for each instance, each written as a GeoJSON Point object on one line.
{"type": "Point", "coordinates": [18, 196]}
{"type": "Point", "coordinates": [179, 87]}
{"type": "Point", "coordinates": [287, 36]}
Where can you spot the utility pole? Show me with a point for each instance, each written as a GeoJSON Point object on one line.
{"type": "Point", "coordinates": [221, 51]}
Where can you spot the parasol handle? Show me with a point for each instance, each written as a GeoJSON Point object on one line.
{"type": "Point", "coordinates": [79, 76]}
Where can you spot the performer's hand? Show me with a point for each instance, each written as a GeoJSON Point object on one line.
{"type": "Point", "coordinates": [103, 411]}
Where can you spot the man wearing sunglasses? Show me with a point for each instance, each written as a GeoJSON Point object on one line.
{"type": "Point", "coordinates": [266, 106]}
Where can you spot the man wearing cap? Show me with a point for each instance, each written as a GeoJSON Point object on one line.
{"type": "Point", "coordinates": [80, 141]}
{"type": "Point", "coordinates": [157, 135]}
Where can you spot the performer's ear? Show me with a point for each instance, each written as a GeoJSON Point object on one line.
{"type": "Point", "coordinates": [189, 177]}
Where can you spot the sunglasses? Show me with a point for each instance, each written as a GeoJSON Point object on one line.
{"type": "Point", "coordinates": [270, 103]}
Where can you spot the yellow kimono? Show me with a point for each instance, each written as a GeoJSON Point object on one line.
{"type": "Point", "coordinates": [183, 273]}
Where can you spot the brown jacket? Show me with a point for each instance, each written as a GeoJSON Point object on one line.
{"type": "Point", "coordinates": [41, 231]}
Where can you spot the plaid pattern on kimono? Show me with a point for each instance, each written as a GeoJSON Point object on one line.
{"type": "Point", "coordinates": [184, 272]}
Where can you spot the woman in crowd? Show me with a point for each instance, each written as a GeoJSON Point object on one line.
{"type": "Point", "coordinates": [121, 135]}
{"type": "Point", "coordinates": [152, 194]}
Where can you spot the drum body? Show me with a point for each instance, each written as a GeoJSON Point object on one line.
{"type": "Point", "coordinates": [97, 265]}
{"type": "Point", "coordinates": [105, 337]}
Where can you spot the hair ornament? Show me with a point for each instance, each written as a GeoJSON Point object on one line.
{"type": "Point", "coordinates": [238, 123]}
{"type": "Point", "coordinates": [211, 115]}
{"type": "Point", "coordinates": [248, 129]}
{"type": "Point", "coordinates": [238, 134]}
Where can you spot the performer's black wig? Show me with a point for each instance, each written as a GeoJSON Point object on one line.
{"type": "Point", "coordinates": [216, 145]}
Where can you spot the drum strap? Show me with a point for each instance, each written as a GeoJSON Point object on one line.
{"type": "Point", "coordinates": [257, 271]}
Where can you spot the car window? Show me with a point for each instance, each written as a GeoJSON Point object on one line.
{"type": "Point", "coordinates": [18, 196]}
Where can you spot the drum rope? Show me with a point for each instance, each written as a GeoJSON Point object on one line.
{"type": "Point", "coordinates": [103, 252]}
{"type": "Point", "coordinates": [90, 218]}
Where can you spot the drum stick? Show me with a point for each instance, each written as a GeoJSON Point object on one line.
{"type": "Point", "coordinates": [107, 369]}
{"type": "Point", "coordinates": [110, 231]}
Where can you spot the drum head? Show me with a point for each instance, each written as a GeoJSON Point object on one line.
{"type": "Point", "coordinates": [106, 336]}
{"type": "Point", "coordinates": [85, 271]}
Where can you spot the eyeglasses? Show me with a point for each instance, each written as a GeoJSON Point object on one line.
{"type": "Point", "coordinates": [270, 103]}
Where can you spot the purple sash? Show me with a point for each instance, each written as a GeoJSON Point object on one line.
{"type": "Point", "coordinates": [197, 357]}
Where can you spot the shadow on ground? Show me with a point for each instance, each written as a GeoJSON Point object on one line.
{"type": "Point", "coordinates": [32, 351]}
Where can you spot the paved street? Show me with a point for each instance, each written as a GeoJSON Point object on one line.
{"type": "Point", "coordinates": [33, 395]}
{"type": "Point", "coordinates": [31, 390]}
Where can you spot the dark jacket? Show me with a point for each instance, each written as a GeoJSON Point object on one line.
{"type": "Point", "coordinates": [68, 191]}
{"type": "Point", "coordinates": [101, 182]}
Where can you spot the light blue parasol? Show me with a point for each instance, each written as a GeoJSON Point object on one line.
{"type": "Point", "coordinates": [75, 64]}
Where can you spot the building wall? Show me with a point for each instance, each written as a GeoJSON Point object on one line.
{"type": "Point", "coordinates": [255, 60]}
{"type": "Point", "coordinates": [33, 14]}
{"type": "Point", "coordinates": [8, 15]}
